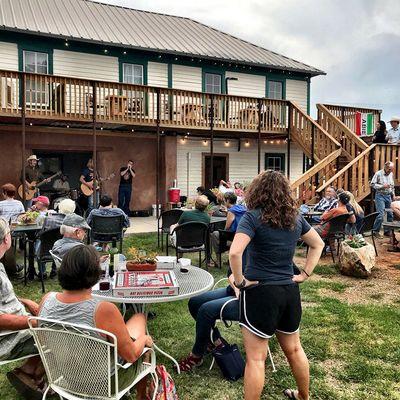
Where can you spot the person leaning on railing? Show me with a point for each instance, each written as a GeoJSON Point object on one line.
{"type": "Point", "coordinates": [393, 135]}
{"type": "Point", "coordinates": [270, 298]}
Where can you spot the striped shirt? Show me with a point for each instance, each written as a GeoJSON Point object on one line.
{"type": "Point", "coordinates": [380, 179]}
{"type": "Point", "coordinates": [10, 209]}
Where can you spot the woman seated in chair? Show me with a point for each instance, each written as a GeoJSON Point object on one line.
{"type": "Point", "coordinates": [79, 271]}
{"type": "Point", "coordinates": [205, 310]}
{"type": "Point", "coordinates": [343, 201]}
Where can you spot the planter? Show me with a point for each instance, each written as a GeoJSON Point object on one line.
{"type": "Point", "coordinates": [134, 266]}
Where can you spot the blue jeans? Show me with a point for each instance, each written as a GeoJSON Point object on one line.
{"type": "Point", "coordinates": [91, 201]}
{"type": "Point", "coordinates": [124, 198]}
{"type": "Point", "coordinates": [382, 201]}
{"type": "Point", "coordinates": [205, 309]}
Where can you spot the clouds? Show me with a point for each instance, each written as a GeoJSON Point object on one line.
{"type": "Point", "coordinates": [355, 41]}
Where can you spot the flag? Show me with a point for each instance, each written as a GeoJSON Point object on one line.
{"type": "Point", "coordinates": [364, 124]}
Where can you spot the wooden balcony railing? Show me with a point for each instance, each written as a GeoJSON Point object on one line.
{"type": "Point", "coordinates": [352, 145]}
{"type": "Point", "coordinates": [348, 114]}
{"type": "Point", "coordinates": [66, 98]}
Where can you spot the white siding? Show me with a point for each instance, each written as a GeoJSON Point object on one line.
{"type": "Point", "coordinates": [9, 56]}
{"type": "Point", "coordinates": [186, 78]}
{"type": "Point", "coordinates": [297, 92]}
{"type": "Point", "coordinates": [86, 66]}
{"type": "Point", "coordinates": [242, 164]}
{"type": "Point", "coordinates": [246, 85]}
{"type": "Point", "coordinates": [157, 74]}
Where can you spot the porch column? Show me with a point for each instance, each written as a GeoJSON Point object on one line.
{"type": "Point", "coordinates": [158, 155]}
{"type": "Point", "coordinates": [290, 111]}
{"type": "Point", "coordinates": [23, 133]}
{"type": "Point", "coordinates": [312, 144]}
{"type": "Point", "coordinates": [212, 141]}
{"type": "Point", "coordinates": [94, 157]}
{"type": "Point", "coordinates": [259, 137]}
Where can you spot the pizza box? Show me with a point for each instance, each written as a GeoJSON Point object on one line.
{"type": "Point", "coordinates": [145, 283]}
{"type": "Point", "coordinates": [166, 262]}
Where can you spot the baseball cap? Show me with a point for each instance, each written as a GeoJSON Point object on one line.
{"type": "Point", "coordinates": [43, 199]}
{"type": "Point", "coordinates": [75, 221]}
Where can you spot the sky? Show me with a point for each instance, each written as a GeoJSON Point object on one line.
{"type": "Point", "coordinates": [356, 42]}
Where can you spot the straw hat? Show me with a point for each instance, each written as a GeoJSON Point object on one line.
{"type": "Point", "coordinates": [32, 157]}
{"type": "Point", "coordinates": [395, 119]}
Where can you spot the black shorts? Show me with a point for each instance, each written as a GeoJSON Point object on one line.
{"type": "Point", "coordinates": [265, 309]}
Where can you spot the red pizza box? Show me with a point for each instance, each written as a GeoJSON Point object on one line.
{"type": "Point", "coordinates": [145, 284]}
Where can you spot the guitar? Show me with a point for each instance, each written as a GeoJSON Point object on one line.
{"type": "Point", "coordinates": [87, 191]}
{"type": "Point", "coordinates": [30, 193]}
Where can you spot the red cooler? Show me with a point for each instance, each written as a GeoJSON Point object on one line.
{"type": "Point", "coordinates": [174, 195]}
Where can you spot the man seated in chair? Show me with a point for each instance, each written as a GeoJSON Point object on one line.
{"type": "Point", "coordinates": [106, 209]}
{"type": "Point", "coordinates": [15, 340]}
{"type": "Point", "coordinates": [74, 229]}
{"type": "Point", "coordinates": [343, 201]}
{"type": "Point", "coordinates": [234, 215]}
{"type": "Point", "coordinates": [199, 214]}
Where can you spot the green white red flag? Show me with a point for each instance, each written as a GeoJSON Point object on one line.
{"type": "Point", "coordinates": [364, 124]}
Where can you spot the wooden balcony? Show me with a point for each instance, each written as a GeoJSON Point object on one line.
{"type": "Point", "coordinates": [72, 100]}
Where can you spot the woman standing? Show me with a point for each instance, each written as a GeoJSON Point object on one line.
{"type": "Point", "coordinates": [380, 133]}
{"type": "Point", "coordinates": [270, 298]}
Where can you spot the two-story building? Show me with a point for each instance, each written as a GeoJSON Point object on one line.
{"type": "Point", "coordinates": [183, 100]}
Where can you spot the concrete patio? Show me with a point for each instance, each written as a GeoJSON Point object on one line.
{"type": "Point", "coordinates": [142, 225]}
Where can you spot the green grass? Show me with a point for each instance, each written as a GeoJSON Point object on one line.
{"type": "Point", "coordinates": [354, 350]}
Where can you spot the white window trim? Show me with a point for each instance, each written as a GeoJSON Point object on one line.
{"type": "Point", "coordinates": [46, 102]}
{"type": "Point", "coordinates": [136, 65]}
{"type": "Point", "coordinates": [213, 74]}
{"type": "Point", "coordinates": [275, 81]}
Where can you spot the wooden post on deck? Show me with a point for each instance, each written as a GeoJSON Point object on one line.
{"type": "Point", "coordinates": [94, 157]}
{"type": "Point", "coordinates": [312, 144]}
{"type": "Point", "coordinates": [259, 138]}
{"type": "Point", "coordinates": [290, 111]}
{"type": "Point", "coordinates": [23, 145]}
{"type": "Point", "coordinates": [211, 142]}
{"type": "Point", "coordinates": [158, 154]}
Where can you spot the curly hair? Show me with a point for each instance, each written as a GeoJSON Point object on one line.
{"type": "Point", "coordinates": [270, 191]}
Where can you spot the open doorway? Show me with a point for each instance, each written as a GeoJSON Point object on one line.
{"type": "Point", "coordinates": [220, 169]}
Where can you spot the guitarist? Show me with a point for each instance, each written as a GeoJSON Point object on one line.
{"type": "Point", "coordinates": [32, 174]}
{"type": "Point", "coordinates": [87, 178]}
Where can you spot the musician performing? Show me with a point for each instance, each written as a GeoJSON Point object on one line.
{"type": "Point", "coordinates": [125, 187]}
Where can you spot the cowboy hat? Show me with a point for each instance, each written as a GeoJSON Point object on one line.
{"type": "Point", "coordinates": [395, 119]}
{"type": "Point", "coordinates": [32, 157]}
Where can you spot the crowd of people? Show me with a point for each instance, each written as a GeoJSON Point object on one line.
{"type": "Point", "coordinates": [262, 293]}
{"type": "Point", "coordinates": [384, 136]}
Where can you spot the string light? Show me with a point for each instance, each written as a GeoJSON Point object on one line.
{"type": "Point", "coordinates": [105, 51]}
{"type": "Point", "coordinates": [247, 144]}
{"type": "Point", "coordinates": [205, 142]}
{"type": "Point", "coordinates": [183, 140]}
{"type": "Point", "coordinates": [227, 143]}
{"type": "Point", "coordinates": [124, 53]}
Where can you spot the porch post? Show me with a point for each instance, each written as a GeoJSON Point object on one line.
{"type": "Point", "coordinates": [288, 139]}
{"type": "Point", "coordinates": [259, 138]}
{"type": "Point", "coordinates": [312, 144]}
{"type": "Point", "coordinates": [23, 145]}
{"type": "Point", "coordinates": [158, 155]}
{"type": "Point", "coordinates": [212, 141]}
{"type": "Point", "coordinates": [94, 157]}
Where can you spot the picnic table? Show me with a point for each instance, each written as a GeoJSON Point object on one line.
{"type": "Point", "coordinates": [192, 283]}
{"type": "Point", "coordinates": [30, 232]}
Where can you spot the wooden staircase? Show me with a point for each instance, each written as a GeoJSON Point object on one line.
{"type": "Point", "coordinates": [341, 158]}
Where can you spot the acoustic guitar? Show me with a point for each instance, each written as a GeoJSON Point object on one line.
{"type": "Point", "coordinates": [87, 191]}
{"type": "Point", "coordinates": [30, 193]}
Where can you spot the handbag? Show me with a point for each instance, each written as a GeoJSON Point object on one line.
{"type": "Point", "coordinates": [166, 389]}
{"type": "Point", "coordinates": [229, 360]}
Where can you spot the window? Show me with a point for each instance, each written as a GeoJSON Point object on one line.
{"type": "Point", "coordinates": [275, 90]}
{"type": "Point", "coordinates": [133, 73]}
{"type": "Point", "coordinates": [275, 161]}
{"type": "Point", "coordinates": [36, 89]}
{"type": "Point", "coordinates": [213, 83]}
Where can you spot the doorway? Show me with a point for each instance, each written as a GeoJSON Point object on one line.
{"type": "Point", "coordinates": [220, 169]}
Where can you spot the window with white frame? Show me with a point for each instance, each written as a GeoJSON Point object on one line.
{"type": "Point", "coordinates": [133, 73]}
{"type": "Point", "coordinates": [275, 90]}
{"type": "Point", "coordinates": [37, 90]}
{"type": "Point", "coordinates": [213, 83]}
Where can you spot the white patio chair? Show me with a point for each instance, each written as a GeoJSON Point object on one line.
{"type": "Point", "coordinates": [221, 320]}
{"type": "Point", "coordinates": [4, 362]}
{"type": "Point", "coordinates": [57, 260]}
{"type": "Point", "coordinates": [81, 364]}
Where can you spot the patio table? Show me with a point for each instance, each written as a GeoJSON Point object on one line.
{"type": "Point", "coordinates": [309, 215]}
{"type": "Point", "coordinates": [192, 283]}
{"type": "Point", "coordinates": [30, 232]}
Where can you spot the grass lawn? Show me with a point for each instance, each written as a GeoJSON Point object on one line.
{"type": "Point", "coordinates": [354, 349]}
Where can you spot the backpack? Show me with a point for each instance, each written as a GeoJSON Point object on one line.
{"type": "Point", "coordinates": [166, 386]}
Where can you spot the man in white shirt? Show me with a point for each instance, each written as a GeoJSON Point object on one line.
{"type": "Point", "coordinates": [393, 135]}
{"type": "Point", "coordinates": [383, 184]}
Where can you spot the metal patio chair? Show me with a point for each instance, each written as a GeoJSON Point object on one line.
{"type": "Point", "coordinates": [107, 229]}
{"type": "Point", "coordinates": [57, 260]}
{"type": "Point", "coordinates": [224, 238]}
{"type": "Point", "coordinates": [164, 222]}
{"type": "Point", "coordinates": [82, 364]}
{"type": "Point", "coordinates": [4, 362]}
{"type": "Point", "coordinates": [367, 228]}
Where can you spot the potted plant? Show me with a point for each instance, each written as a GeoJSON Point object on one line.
{"type": "Point", "coordinates": [139, 260]}
{"type": "Point", "coordinates": [28, 218]}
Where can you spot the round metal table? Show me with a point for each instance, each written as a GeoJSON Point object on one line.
{"type": "Point", "coordinates": [192, 283]}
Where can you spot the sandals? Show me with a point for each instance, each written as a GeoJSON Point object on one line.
{"type": "Point", "coordinates": [291, 394]}
{"type": "Point", "coordinates": [190, 362]}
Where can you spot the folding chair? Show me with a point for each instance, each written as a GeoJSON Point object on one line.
{"type": "Point", "coordinates": [367, 228]}
{"type": "Point", "coordinates": [82, 362]}
{"type": "Point", "coordinates": [107, 229]}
